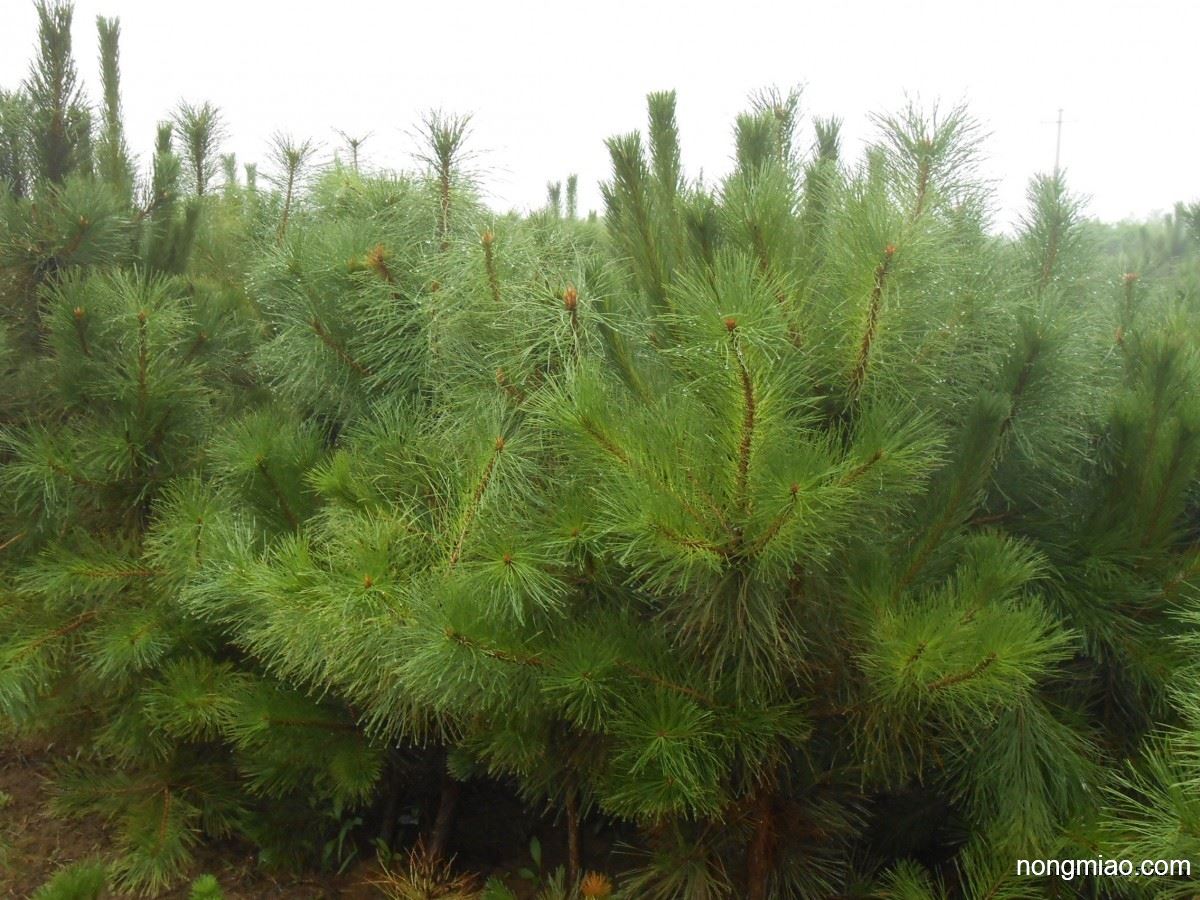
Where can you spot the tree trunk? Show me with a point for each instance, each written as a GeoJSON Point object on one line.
{"type": "Point", "coordinates": [574, 842]}
{"type": "Point", "coordinates": [760, 852]}
{"type": "Point", "coordinates": [443, 824]}
{"type": "Point", "coordinates": [391, 804]}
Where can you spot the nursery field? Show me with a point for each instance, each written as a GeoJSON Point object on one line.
{"type": "Point", "coordinates": [794, 534]}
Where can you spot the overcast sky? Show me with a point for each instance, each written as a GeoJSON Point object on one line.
{"type": "Point", "coordinates": [546, 82]}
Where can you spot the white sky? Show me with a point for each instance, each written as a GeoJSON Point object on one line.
{"type": "Point", "coordinates": [548, 81]}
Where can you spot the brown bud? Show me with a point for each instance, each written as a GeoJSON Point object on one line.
{"type": "Point", "coordinates": [1129, 277]}
{"type": "Point", "coordinates": [508, 559]}
{"type": "Point", "coordinates": [730, 323]}
{"type": "Point", "coordinates": [1119, 335]}
{"type": "Point", "coordinates": [488, 237]}
{"type": "Point", "coordinates": [795, 489]}
{"type": "Point", "coordinates": [435, 286]}
{"type": "Point", "coordinates": [142, 316]}
{"type": "Point", "coordinates": [570, 298]}
{"type": "Point", "coordinates": [368, 582]}
{"type": "Point", "coordinates": [78, 312]}
{"type": "Point", "coordinates": [377, 259]}
{"type": "Point", "coordinates": [889, 251]}
{"type": "Point", "coordinates": [595, 885]}
{"type": "Point", "coordinates": [500, 442]}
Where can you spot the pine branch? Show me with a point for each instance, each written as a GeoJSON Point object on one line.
{"type": "Point", "coordinates": [285, 507]}
{"type": "Point", "coordinates": [472, 509]}
{"type": "Point", "coordinates": [62, 631]}
{"type": "Point", "coordinates": [859, 374]}
{"type": "Point", "coordinates": [489, 262]}
{"type": "Point", "coordinates": [749, 413]}
{"type": "Point", "coordinates": [959, 677]}
{"type": "Point", "coordinates": [338, 349]}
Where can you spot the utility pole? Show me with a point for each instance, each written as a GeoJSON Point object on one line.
{"type": "Point", "coordinates": [1058, 142]}
{"type": "Point", "coordinates": [1058, 125]}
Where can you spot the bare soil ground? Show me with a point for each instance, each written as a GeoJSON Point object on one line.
{"type": "Point", "coordinates": [34, 844]}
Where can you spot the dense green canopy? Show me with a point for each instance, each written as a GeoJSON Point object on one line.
{"type": "Point", "coordinates": [799, 528]}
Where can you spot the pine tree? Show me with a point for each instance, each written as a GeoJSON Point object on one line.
{"type": "Point", "coordinates": [14, 162]}
{"type": "Point", "coordinates": [127, 339]}
{"type": "Point", "coordinates": [169, 225]}
{"type": "Point", "coordinates": [200, 132]}
{"type": "Point", "coordinates": [824, 541]}
{"type": "Point", "coordinates": [764, 534]}
{"type": "Point", "coordinates": [112, 155]}
{"type": "Point", "coordinates": [59, 121]}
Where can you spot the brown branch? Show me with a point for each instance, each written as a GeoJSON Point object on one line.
{"type": "Point", "coordinates": [444, 207]}
{"type": "Point", "coordinates": [571, 304]}
{"type": "Point", "coordinates": [761, 849]}
{"type": "Point", "coordinates": [81, 331]}
{"type": "Point", "coordinates": [776, 523]}
{"type": "Point", "coordinates": [284, 505]}
{"type": "Point", "coordinates": [860, 470]}
{"type": "Point", "coordinates": [859, 375]}
{"type": "Point", "coordinates": [511, 390]}
{"type": "Point", "coordinates": [1160, 499]}
{"type": "Point", "coordinates": [491, 652]}
{"type": "Point", "coordinates": [62, 631]}
{"type": "Point", "coordinates": [922, 182]}
{"type": "Point", "coordinates": [617, 453]}
{"type": "Point", "coordinates": [709, 501]}
{"type": "Point", "coordinates": [693, 543]}
{"type": "Point", "coordinates": [333, 344]}
{"type": "Point", "coordinates": [58, 467]}
{"type": "Point", "coordinates": [489, 263]}
{"type": "Point", "coordinates": [1171, 585]}
{"type": "Point", "coordinates": [1051, 256]}
{"type": "Point", "coordinates": [944, 520]}
{"type": "Point", "coordinates": [1019, 388]}
{"type": "Point", "coordinates": [917, 653]}
{"type": "Point", "coordinates": [934, 535]}
{"type": "Point", "coordinates": [658, 681]}
{"type": "Point", "coordinates": [574, 843]}
{"type": "Point", "coordinates": [287, 204]}
{"type": "Point", "coordinates": [749, 413]}
{"type": "Point", "coordinates": [473, 507]}
{"type": "Point", "coordinates": [603, 440]}
{"type": "Point", "coordinates": [143, 361]}
{"type": "Point", "coordinates": [166, 817]}
{"type": "Point", "coordinates": [965, 675]}
{"type": "Point", "coordinates": [200, 341]}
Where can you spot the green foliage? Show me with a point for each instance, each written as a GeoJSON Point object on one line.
{"type": "Point", "coordinates": [59, 121]}
{"type": "Point", "coordinates": [816, 536]}
{"type": "Point", "coordinates": [112, 155]}
{"type": "Point", "coordinates": [81, 881]}
{"type": "Point", "coordinates": [200, 131]}
{"type": "Point", "coordinates": [206, 887]}
{"type": "Point", "coordinates": [424, 877]}
{"type": "Point", "coordinates": [170, 226]}
{"type": "Point", "coordinates": [15, 164]}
